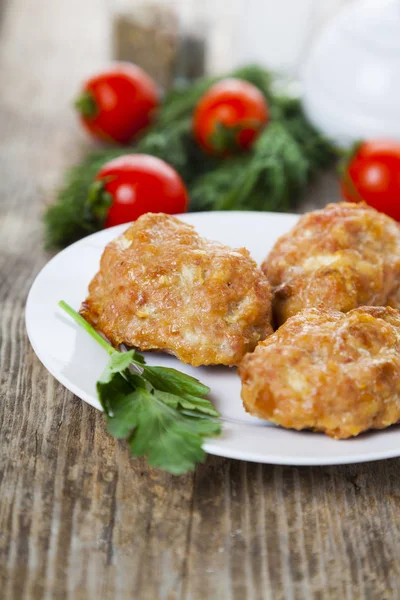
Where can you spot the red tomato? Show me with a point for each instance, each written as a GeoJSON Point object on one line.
{"type": "Point", "coordinates": [139, 183]}
{"type": "Point", "coordinates": [230, 116]}
{"type": "Point", "coordinates": [373, 175]}
{"type": "Point", "coordinates": [117, 103]}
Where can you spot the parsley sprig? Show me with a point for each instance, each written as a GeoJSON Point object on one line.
{"type": "Point", "coordinates": [161, 412]}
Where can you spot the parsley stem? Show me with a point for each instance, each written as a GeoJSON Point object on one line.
{"type": "Point", "coordinates": [81, 321]}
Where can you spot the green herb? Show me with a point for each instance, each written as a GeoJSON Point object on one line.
{"type": "Point", "coordinates": [86, 105]}
{"type": "Point", "coordinates": [272, 176]}
{"type": "Point", "coordinates": [161, 412]}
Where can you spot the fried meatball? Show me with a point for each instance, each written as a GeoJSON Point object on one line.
{"type": "Point", "coordinates": [328, 371]}
{"type": "Point", "coordinates": [341, 257]}
{"type": "Point", "coordinates": [163, 287]}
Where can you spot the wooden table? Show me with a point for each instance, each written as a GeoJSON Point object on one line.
{"type": "Point", "coordinates": [78, 518]}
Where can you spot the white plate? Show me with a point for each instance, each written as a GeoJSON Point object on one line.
{"type": "Point", "coordinates": [77, 361]}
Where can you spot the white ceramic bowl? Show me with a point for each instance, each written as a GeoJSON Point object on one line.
{"type": "Point", "coordinates": [351, 80]}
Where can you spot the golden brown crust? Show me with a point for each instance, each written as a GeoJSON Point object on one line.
{"type": "Point", "coordinates": [341, 257]}
{"type": "Point", "coordinates": [163, 287]}
{"type": "Point", "coordinates": [328, 371]}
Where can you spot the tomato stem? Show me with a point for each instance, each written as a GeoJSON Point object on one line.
{"type": "Point", "coordinates": [86, 105]}
{"type": "Point", "coordinates": [97, 204]}
{"type": "Point", "coordinates": [348, 181]}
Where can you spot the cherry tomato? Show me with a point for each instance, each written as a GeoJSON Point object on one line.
{"type": "Point", "coordinates": [372, 175]}
{"type": "Point", "coordinates": [135, 184]}
{"type": "Point", "coordinates": [230, 116]}
{"type": "Point", "coordinates": [119, 102]}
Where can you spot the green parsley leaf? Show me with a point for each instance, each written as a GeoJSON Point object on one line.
{"type": "Point", "coordinates": [188, 403]}
{"type": "Point", "coordinates": [171, 380]}
{"type": "Point", "coordinates": [171, 443]}
{"type": "Point", "coordinates": [161, 412]}
{"type": "Point", "coordinates": [118, 363]}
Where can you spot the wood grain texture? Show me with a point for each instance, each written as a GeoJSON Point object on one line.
{"type": "Point", "coordinates": [78, 518]}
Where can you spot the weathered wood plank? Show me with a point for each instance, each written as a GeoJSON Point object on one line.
{"type": "Point", "coordinates": [281, 532]}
